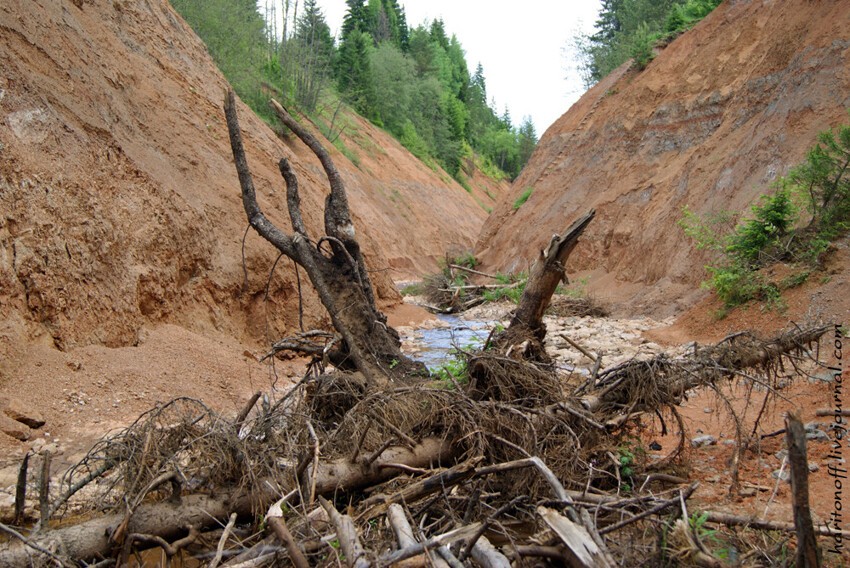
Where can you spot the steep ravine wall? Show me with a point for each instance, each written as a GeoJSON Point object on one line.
{"type": "Point", "coordinates": [119, 201]}
{"type": "Point", "coordinates": [720, 113]}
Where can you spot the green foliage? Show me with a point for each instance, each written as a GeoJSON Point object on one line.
{"type": "Point", "coordinates": [629, 29]}
{"type": "Point", "coordinates": [415, 289]}
{"type": "Point", "coordinates": [523, 197]}
{"type": "Point", "coordinates": [823, 179]}
{"type": "Point", "coordinates": [577, 289]}
{"type": "Point", "coordinates": [414, 83]}
{"type": "Point", "coordinates": [466, 259]}
{"type": "Point", "coordinates": [453, 371]}
{"type": "Point", "coordinates": [687, 15]}
{"type": "Point", "coordinates": [234, 33]}
{"type": "Point", "coordinates": [756, 237]}
{"type": "Point", "coordinates": [640, 48]}
{"type": "Point", "coordinates": [514, 286]}
{"type": "Point", "coordinates": [774, 233]}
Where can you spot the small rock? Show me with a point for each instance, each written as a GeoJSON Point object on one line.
{"type": "Point", "coordinates": [15, 429]}
{"type": "Point", "coordinates": [781, 454]}
{"type": "Point", "coordinates": [729, 442]}
{"type": "Point", "coordinates": [747, 492]}
{"type": "Point", "coordinates": [817, 435]}
{"type": "Point", "coordinates": [17, 410]}
{"type": "Point", "coordinates": [813, 467]}
{"type": "Point", "coordinates": [784, 475]}
{"type": "Point", "coordinates": [705, 440]}
{"type": "Point", "coordinates": [655, 446]}
{"type": "Point", "coordinates": [708, 410]}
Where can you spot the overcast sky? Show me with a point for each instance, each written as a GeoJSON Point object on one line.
{"type": "Point", "coordinates": [520, 44]}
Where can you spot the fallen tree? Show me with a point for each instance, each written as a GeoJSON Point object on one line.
{"type": "Point", "coordinates": [511, 461]}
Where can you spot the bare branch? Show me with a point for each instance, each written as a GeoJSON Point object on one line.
{"type": "Point", "coordinates": [261, 224]}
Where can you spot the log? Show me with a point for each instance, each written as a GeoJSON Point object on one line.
{"type": "Point", "coordinates": [765, 525]}
{"type": "Point", "coordinates": [487, 556]}
{"type": "Point", "coordinates": [91, 539]}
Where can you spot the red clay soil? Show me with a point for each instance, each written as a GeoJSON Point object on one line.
{"type": "Point", "coordinates": [714, 119]}
{"type": "Point", "coordinates": [121, 255]}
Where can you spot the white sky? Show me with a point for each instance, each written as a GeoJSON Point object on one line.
{"type": "Point", "coordinates": [520, 44]}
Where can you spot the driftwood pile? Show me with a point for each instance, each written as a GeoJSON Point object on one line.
{"type": "Point", "coordinates": [511, 466]}
{"type": "Point", "coordinates": [378, 464]}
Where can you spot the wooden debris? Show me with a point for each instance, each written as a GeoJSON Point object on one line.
{"type": "Point", "coordinates": [582, 550]}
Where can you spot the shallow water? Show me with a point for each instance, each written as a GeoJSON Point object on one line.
{"type": "Point", "coordinates": [438, 344]}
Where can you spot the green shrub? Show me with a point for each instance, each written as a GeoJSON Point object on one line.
{"type": "Point", "coordinates": [514, 286]}
{"type": "Point", "coordinates": [453, 371]}
{"type": "Point", "coordinates": [753, 239]}
{"type": "Point", "coordinates": [641, 48]}
{"type": "Point", "coordinates": [526, 193]}
{"type": "Point", "coordinates": [822, 187]}
{"type": "Point", "coordinates": [685, 16]}
{"type": "Point", "coordinates": [415, 289]}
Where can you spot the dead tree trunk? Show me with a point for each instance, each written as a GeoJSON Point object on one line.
{"type": "Point", "coordinates": [548, 271]}
{"type": "Point", "coordinates": [524, 337]}
{"type": "Point", "coordinates": [333, 262]}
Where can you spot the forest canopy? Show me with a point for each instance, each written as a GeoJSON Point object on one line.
{"type": "Point", "coordinates": [414, 82]}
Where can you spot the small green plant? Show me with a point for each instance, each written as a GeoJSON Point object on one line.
{"type": "Point", "coordinates": [513, 288]}
{"type": "Point", "coordinates": [393, 363]}
{"type": "Point", "coordinates": [523, 197]}
{"type": "Point", "coordinates": [453, 371]}
{"type": "Point", "coordinates": [686, 15]}
{"type": "Point", "coordinates": [466, 259]}
{"type": "Point", "coordinates": [415, 289]}
{"type": "Point", "coordinates": [577, 289]}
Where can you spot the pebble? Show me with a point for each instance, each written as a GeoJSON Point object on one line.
{"type": "Point", "coordinates": [817, 435]}
{"type": "Point", "coordinates": [782, 474]}
{"type": "Point", "coordinates": [701, 441]}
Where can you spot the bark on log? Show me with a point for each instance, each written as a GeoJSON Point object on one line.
{"type": "Point", "coordinates": [548, 271]}
{"type": "Point", "coordinates": [91, 539]}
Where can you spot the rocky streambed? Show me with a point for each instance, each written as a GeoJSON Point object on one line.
{"type": "Point", "coordinates": [614, 339]}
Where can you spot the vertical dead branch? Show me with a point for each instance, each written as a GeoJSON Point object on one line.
{"type": "Point", "coordinates": [44, 490]}
{"type": "Point", "coordinates": [548, 271]}
{"type": "Point", "coordinates": [341, 280]}
{"type": "Point", "coordinates": [21, 490]}
{"type": "Point", "coordinates": [808, 555]}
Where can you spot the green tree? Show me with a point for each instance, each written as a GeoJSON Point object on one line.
{"type": "Point", "coordinates": [313, 50]}
{"type": "Point", "coordinates": [235, 35]}
{"type": "Point", "coordinates": [354, 73]}
{"type": "Point", "coordinates": [356, 18]}
{"type": "Point", "coordinates": [394, 79]}
{"type": "Point", "coordinates": [629, 28]}
{"type": "Point", "coordinates": [527, 140]}
{"type": "Point", "coordinates": [823, 178]}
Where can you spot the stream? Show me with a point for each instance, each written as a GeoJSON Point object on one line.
{"type": "Point", "coordinates": [434, 345]}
